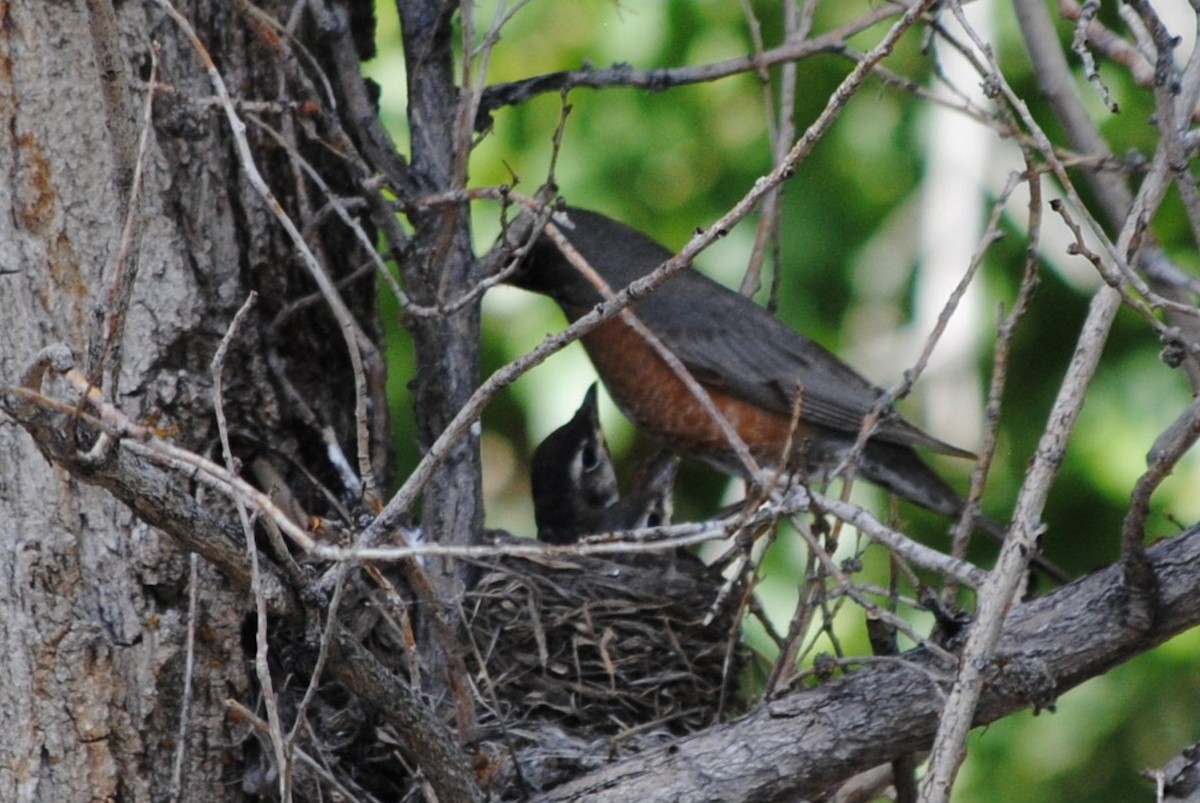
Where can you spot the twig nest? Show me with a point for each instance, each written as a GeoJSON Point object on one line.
{"type": "Point", "coordinates": [573, 661]}
{"type": "Point", "coordinates": [578, 659]}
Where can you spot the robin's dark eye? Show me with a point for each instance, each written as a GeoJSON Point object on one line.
{"type": "Point", "coordinates": [588, 457]}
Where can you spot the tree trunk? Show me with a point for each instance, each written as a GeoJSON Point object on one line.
{"type": "Point", "coordinates": [95, 608]}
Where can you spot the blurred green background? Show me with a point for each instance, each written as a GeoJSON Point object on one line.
{"type": "Point", "coordinates": [860, 229]}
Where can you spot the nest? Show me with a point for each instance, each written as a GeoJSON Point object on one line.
{"type": "Point", "coordinates": [582, 659]}
{"type": "Point", "coordinates": [574, 661]}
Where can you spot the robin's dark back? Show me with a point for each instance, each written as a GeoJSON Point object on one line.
{"type": "Point", "coordinates": [725, 339]}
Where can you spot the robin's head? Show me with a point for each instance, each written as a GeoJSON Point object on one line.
{"type": "Point", "coordinates": [649, 502]}
{"type": "Point", "coordinates": [618, 253]}
{"type": "Point", "coordinates": [572, 477]}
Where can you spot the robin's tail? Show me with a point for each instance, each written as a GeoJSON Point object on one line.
{"type": "Point", "coordinates": [900, 470]}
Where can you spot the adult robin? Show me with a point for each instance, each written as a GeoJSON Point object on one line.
{"type": "Point", "coordinates": [757, 371]}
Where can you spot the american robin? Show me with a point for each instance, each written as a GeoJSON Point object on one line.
{"type": "Point", "coordinates": [572, 478]}
{"type": "Point", "coordinates": [755, 369]}
{"type": "Point", "coordinates": [574, 483]}
{"type": "Point", "coordinates": [649, 501]}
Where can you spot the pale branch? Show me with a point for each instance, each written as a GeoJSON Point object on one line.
{"type": "Point", "coordinates": [1115, 200]}
{"type": "Point", "coordinates": [1002, 588]}
{"type": "Point", "coordinates": [1005, 331]}
{"type": "Point", "coordinates": [1006, 580]}
{"type": "Point", "coordinates": [1115, 48]}
{"type": "Point", "coordinates": [108, 324]}
{"type": "Point", "coordinates": [189, 675]}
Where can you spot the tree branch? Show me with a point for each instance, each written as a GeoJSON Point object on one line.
{"type": "Point", "coordinates": [807, 743]}
{"type": "Point", "coordinates": [516, 92]}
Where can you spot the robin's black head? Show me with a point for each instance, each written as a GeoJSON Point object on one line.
{"type": "Point", "coordinates": [572, 477]}
{"type": "Point", "coordinates": [620, 255]}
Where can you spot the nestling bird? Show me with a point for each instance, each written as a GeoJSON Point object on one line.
{"type": "Point", "coordinates": [574, 483]}
{"type": "Point", "coordinates": [752, 366]}
{"type": "Point", "coordinates": [572, 477]}
{"type": "Point", "coordinates": [649, 501]}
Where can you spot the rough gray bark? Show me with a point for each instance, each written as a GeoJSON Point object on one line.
{"type": "Point", "coordinates": [440, 270]}
{"type": "Point", "coordinates": [94, 607]}
{"type": "Point", "coordinates": [94, 603]}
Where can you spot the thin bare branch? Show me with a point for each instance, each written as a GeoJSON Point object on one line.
{"type": "Point", "coordinates": [657, 80]}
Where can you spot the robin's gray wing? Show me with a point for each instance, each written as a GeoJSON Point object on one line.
{"type": "Point", "coordinates": [730, 342]}
{"type": "Point", "coordinates": [711, 328]}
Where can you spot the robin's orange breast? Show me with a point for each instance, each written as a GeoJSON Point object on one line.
{"type": "Point", "coordinates": [657, 401]}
